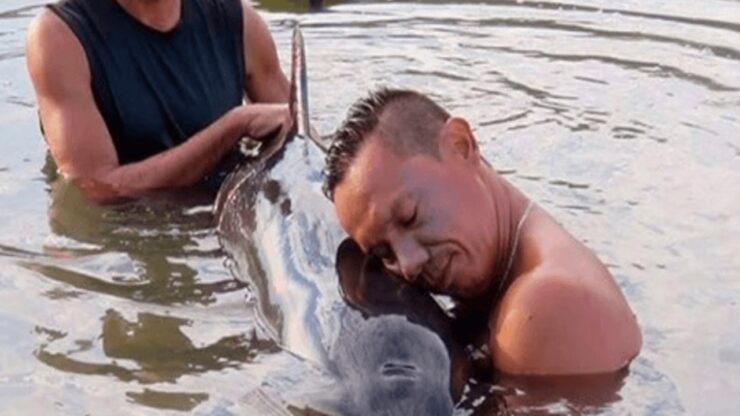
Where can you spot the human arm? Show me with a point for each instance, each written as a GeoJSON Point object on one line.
{"type": "Point", "coordinates": [564, 320]}
{"type": "Point", "coordinates": [265, 81]}
{"type": "Point", "coordinates": [80, 142]}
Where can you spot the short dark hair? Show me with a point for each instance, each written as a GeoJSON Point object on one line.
{"type": "Point", "coordinates": [409, 121]}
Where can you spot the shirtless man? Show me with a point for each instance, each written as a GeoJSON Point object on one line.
{"type": "Point", "coordinates": [136, 95]}
{"type": "Point", "coordinates": [410, 187]}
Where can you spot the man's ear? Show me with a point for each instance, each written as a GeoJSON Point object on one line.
{"type": "Point", "coordinates": [457, 138]}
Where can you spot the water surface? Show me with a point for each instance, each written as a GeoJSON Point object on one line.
{"type": "Point", "coordinates": [621, 119]}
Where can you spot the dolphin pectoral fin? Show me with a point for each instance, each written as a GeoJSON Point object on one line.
{"type": "Point", "coordinates": [349, 263]}
{"type": "Point", "coordinates": [368, 286]}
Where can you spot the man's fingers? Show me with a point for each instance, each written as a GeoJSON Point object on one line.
{"type": "Point", "coordinates": [270, 135]}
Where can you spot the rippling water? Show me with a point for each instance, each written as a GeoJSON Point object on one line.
{"type": "Point", "coordinates": [621, 118]}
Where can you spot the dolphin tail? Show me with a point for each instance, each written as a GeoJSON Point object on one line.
{"type": "Point", "coordinates": [299, 89]}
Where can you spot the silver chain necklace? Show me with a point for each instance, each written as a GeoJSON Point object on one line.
{"type": "Point", "coordinates": [514, 247]}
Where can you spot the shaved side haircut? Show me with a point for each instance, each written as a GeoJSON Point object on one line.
{"type": "Point", "coordinates": [407, 121]}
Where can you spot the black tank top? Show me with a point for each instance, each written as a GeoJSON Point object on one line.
{"type": "Point", "coordinates": [155, 89]}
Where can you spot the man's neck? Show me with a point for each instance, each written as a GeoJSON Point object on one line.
{"type": "Point", "coordinates": [161, 15]}
{"type": "Point", "coordinates": [509, 208]}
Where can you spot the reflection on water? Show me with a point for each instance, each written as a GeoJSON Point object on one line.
{"type": "Point", "coordinates": [158, 347]}
{"type": "Point", "coordinates": [583, 394]}
{"type": "Point", "coordinates": [620, 118]}
{"type": "Point", "coordinates": [133, 249]}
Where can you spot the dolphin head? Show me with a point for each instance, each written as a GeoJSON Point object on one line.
{"type": "Point", "coordinates": [390, 366]}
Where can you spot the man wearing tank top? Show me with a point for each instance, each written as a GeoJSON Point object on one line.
{"type": "Point", "coordinates": [138, 95]}
{"type": "Point", "coordinates": [410, 186]}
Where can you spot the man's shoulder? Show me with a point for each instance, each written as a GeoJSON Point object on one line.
{"type": "Point", "coordinates": [46, 25]}
{"type": "Point", "coordinates": [50, 35]}
{"type": "Point", "coordinates": [54, 52]}
{"type": "Point", "coordinates": [564, 316]}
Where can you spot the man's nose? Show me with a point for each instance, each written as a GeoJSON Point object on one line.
{"type": "Point", "coordinates": [410, 259]}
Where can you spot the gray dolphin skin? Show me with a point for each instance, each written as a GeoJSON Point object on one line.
{"type": "Point", "coordinates": [282, 234]}
{"type": "Point", "coordinates": [318, 297]}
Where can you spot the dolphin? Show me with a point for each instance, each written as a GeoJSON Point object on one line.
{"type": "Point", "coordinates": [281, 232]}
{"type": "Point", "coordinates": [390, 346]}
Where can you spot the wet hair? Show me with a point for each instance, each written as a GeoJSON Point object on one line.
{"type": "Point", "coordinates": [407, 121]}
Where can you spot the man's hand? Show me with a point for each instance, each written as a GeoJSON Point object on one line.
{"type": "Point", "coordinates": [263, 121]}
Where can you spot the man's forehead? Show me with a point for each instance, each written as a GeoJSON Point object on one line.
{"type": "Point", "coordinates": [366, 194]}
{"type": "Point", "coordinates": [372, 169]}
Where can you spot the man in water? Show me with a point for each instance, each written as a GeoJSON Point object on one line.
{"type": "Point", "coordinates": [137, 95]}
{"type": "Point", "coordinates": [410, 187]}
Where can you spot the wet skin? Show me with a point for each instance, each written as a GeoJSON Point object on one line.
{"type": "Point", "coordinates": [448, 224]}
{"type": "Point", "coordinates": [429, 219]}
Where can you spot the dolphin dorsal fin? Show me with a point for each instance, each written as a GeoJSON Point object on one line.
{"type": "Point", "coordinates": [298, 85]}
{"type": "Point", "coordinates": [299, 90]}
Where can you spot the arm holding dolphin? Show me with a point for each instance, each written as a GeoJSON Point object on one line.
{"type": "Point", "coordinates": [266, 82]}
{"type": "Point", "coordinates": [81, 144]}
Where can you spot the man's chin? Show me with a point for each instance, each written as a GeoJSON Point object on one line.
{"type": "Point", "coordinates": [468, 292]}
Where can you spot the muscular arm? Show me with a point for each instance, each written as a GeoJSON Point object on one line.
{"type": "Point", "coordinates": [78, 137]}
{"type": "Point", "coordinates": [265, 82]}
{"type": "Point", "coordinates": [558, 327]}
{"type": "Point", "coordinates": [565, 316]}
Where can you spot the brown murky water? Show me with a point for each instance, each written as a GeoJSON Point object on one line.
{"type": "Point", "coordinates": [621, 119]}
